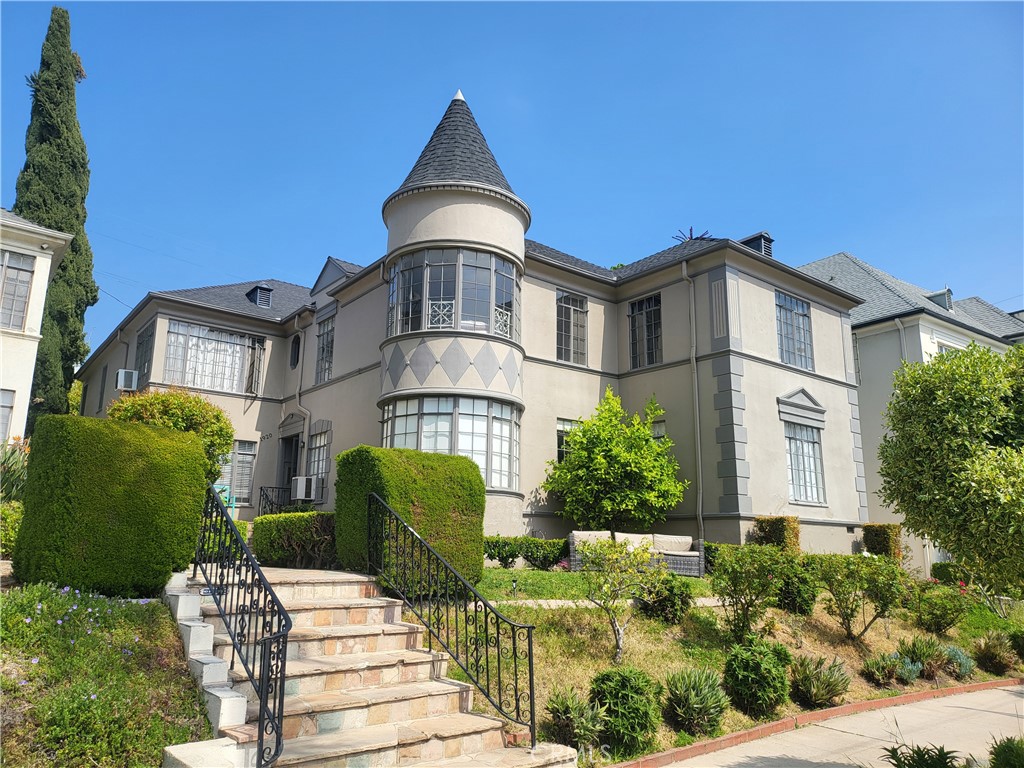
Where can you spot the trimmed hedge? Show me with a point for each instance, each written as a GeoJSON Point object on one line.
{"type": "Point", "coordinates": [11, 513]}
{"type": "Point", "coordinates": [295, 540]}
{"type": "Point", "coordinates": [110, 507]}
{"type": "Point", "coordinates": [542, 554]}
{"type": "Point", "coordinates": [504, 550]}
{"type": "Point", "coordinates": [884, 539]}
{"type": "Point", "coordinates": [783, 531]}
{"type": "Point", "coordinates": [442, 497]}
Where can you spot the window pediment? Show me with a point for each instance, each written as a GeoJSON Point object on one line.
{"type": "Point", "coordinates": [800, 407]}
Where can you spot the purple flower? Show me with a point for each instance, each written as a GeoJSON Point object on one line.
{"type": "Point", "coordinates": [65, 590]}
{"type": "Point", "coordinates": [74, 607]}
{"type": "Point", "coordinates": [39, 607]}
{"type": "Point", "coordinates": [136, 638]}
{"type": "Point", "coordinates": [28, 620]}
{"type": "Point", "coordinates": [88, 631]}
{"type": "Point", "coordinates": [72, 641]}
{"type": "Point", "coordinates": [77, 592]}
{"type": "Point", "coordinates": [23, 682]}
{"type": "Point", "coordinates": [88, 610]}
{"type": "Point", "coordinates": [35, 660]}
{"type": "Point", "coordinates": [59, 622]}
{"type": "Point", "coordinates": [144, 601]}
{"type": "Point", "coordinates": [93, 696]}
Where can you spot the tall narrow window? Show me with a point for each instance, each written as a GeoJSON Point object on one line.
{"type": "Point", "coordinates": [793, 318]}
{"type": "Point", "coordinates": [17, 284]}
{"type": "Point", "coordinates": [803, 459]}
{"type": "Point", "coordinates": [476, 291]}
{"type": "Point", "coordinates": [442, 267]}
{"type": "Point", "coordinates": [254, 370]}
{"type": "Point", "coordinates": [144, 353]}
{"type": "Point", "coordinates": [645, 332]}
{"type": "Point", "coordinates": [437, 424]}
{"type": "Point", "coordinates": [6, 413]}
{"type": "Point", "coordinates": [236, 472]}
{"type": "Point", "coordinates": [504, 297]}
{"type": "Point", "coordinates": [324, 350]}
{"type": "Point", "coordinates": [410, 294]}
{"type": "Point", "coordinates": [571, 327]}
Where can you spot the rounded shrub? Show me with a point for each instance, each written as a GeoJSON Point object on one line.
{"type": "Point", "coordinates": [755, 679]}
{"type": "Point", "coordinates": [295, 540]}
{"type": "Point", "coordinates": [633, 705]}
{"type": "Point", "coordinates": [542, 554]}
{"type": "Point", "coordinates": [503, 549]}
{"type": "Point", "coordinates": [799, 590]}
{"type": "Point", "coordinates": [109, 507]}
{"type": "Point", "coordinates": [696, 700]}
{"type": "Point", "coordinates": [672, 602]}
{"type": "Point", "coordinates": [994, 653]}
{"type": "Point", "coordinates": [575, 721]}
{"type": "Point", "coordinates": [938, 608]}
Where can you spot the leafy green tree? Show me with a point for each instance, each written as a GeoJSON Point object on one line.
{"type": "Point", "coordinates": [186, 412]}
{"type": "Point", "coordinates": [615, 574]}
{"type": "Point", "coordinates": [952, 463]}
{"type": "Point", "coordinates": [615, 474]}
{"type": "Point", "coordinates": [51, 191]}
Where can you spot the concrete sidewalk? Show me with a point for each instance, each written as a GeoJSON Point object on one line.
{"type": "Point", "coordinates": [967, 723]}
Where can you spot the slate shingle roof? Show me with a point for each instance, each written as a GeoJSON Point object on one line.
{"type": "Point", "coordinates": [347, 266]}
{"type": "Point", "coordinates": [668, 256]}
{"type": "Point", "coordinates": [886, 296]}
{"type": "Point", "coordinates": [551, 254]}
{"type": "Point", "coordinates": [285, 299]}
{"type": "Point", "coordinates": [457, 152]}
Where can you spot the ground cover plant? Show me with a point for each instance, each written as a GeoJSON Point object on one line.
{"type": "Point", "coordinates": [92, 681]}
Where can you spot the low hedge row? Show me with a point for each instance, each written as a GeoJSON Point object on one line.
{"type": "Point", "coordinates": [884, 539]}
{"type": "Point", "coordinates": [540, 553]}
{"type": "Point", "coordinates": [783, 531]}
{"type": "Point", "coordinates": [295, 540]}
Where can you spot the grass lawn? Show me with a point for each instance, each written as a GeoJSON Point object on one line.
{"type": "Point", "coordinates": [532, 584]}
{"type": "Point", "coordinates": [91, 681]}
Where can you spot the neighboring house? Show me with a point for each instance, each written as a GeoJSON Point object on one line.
{"type": "Point", "coordinates": [30, 257]}
{"type": "Point", "coordinates": [468, 338]}
{"type": "Point", "coordinates": [899, 321]}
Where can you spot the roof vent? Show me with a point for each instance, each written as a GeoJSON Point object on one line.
{"type": "Point", "coordinates": [943, 298]}
{"type": "Point", "coordinates": [260, 295]}
{"type": "Point", "coordinates": [761, 242]}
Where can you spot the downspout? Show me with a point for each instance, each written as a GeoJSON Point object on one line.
{"type": "Point", "coordinates": [696, 403]}
{"type": "Point", "coordinates": [903, 338]}
{"type": "Point", "coordinates": [298, 389]}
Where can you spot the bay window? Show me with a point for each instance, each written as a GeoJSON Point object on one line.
{"type": "Point", "coordinates": [454, 288]}
{"type": "Point", "coordinates": [486, 431]}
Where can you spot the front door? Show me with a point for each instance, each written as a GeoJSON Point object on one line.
{"type": "Point", "coordinates": [289, 460]}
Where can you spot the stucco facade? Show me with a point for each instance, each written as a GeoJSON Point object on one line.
{"type": "Point", "coordinates": [31, 255]}
{"type": "Point", "coordinates": [467, 337]}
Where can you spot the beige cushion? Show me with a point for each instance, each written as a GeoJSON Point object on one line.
{"type": "Point", "coordinates": [672, 544]}
{"type": "Point", "coordinates": [636, 539]}
{"type": "Point", "coordinates": [590, 536]}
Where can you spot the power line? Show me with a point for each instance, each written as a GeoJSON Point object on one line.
{"type": "Point", "coordinates": [104, 290]}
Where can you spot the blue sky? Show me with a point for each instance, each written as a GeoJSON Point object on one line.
{"type": "Point", "coordinates": [239, 141]}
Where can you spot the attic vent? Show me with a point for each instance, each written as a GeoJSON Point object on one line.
{"type": "Point", "coordinates": [761, 242]}
{"type": "Point", "coordinates": [260, 295]}
{"type": "Point", "coordinates": [943, 298]}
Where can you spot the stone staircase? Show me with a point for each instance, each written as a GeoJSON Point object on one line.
{"type": "Point", "coordinates": [360, 688]}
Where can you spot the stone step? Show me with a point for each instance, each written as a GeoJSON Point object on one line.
{"type": "Point", "coordinates": [316, 674]}
{"type": "Point", "coordinates": [291, 583]}
{"type": "Point", "coordinates": [317, 713]}
{"type": "Point", "coordinates": [544, 756]}
{"type": "Point", "coordinates": [327, 612]}
{"type": "Point", "coordinates": [424, 741]}
{"type": "Point", "coordinates": [332, 640]}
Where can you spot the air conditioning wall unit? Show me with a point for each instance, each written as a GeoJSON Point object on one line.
{"type": "Point", "coordinates": [303, 488]}
{"type": "Point", "coordinates": [127, 381]}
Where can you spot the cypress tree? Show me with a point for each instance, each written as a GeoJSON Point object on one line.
{"type": "Point", "coordinates": [51, 191]}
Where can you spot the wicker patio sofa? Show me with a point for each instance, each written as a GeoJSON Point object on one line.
{"type": "Point", "coordinates": [681, 554]}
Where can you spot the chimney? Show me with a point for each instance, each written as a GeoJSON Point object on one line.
{"type": "Point", "coordinates": [761, 242]}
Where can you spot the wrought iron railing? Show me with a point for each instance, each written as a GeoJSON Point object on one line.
{"type": "Point", "coordinates": [273, 498]}
{"type": "Point", "coordinates": [495, 652]}
{"type": "Point", "coordinates": [254, 618]}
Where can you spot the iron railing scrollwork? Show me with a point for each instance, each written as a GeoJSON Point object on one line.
{"type": "Point", "coordinates": [273, 498]}
{"type": "Point", "coordinates": [495, 652]}
{"type": "Point", "coordinates": [254, 618]}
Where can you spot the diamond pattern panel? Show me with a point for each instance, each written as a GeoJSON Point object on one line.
{"type": "Point", "coordinates": [511, 370]}
{"type": "Point", "coordinates": [422, 361]}
{"type": "Point", "coordinates": [455, 362]}
{"type": "Point", "coordinates": [396, 365]}
{"type": "Point", "coordinates": [486, 364]}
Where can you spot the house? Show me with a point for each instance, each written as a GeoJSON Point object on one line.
{"type": "Point", "coordinates": [469, 338]}
{"type": "Point", "coordinates": [30, 257]}
{"type": "Point", "coordinates": [899, 321]}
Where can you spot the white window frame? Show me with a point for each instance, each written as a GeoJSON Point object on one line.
{"type": "Point", "coordinates": [793, 328]}
{"type": "Point", "coordinates": [485, 430]}
{"type": "Point", "coordinates": [17, 270]}
{"type": "Point", "coordinates": [455, 289]}
{"type": "Point", "coordinates": [237, 358]}
{"type": "Point", "coordinates": [645, 332]}
{"type": "Point", "coordinates": [804, 463]}
{"type": "Point", "coordinates": [570, 327]}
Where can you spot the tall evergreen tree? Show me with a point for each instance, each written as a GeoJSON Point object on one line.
{"type": "Point", "coordinates": [51, 191]}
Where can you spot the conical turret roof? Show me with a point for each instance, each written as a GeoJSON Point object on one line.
{"type": "Point", "coordinates": [457, 152]}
